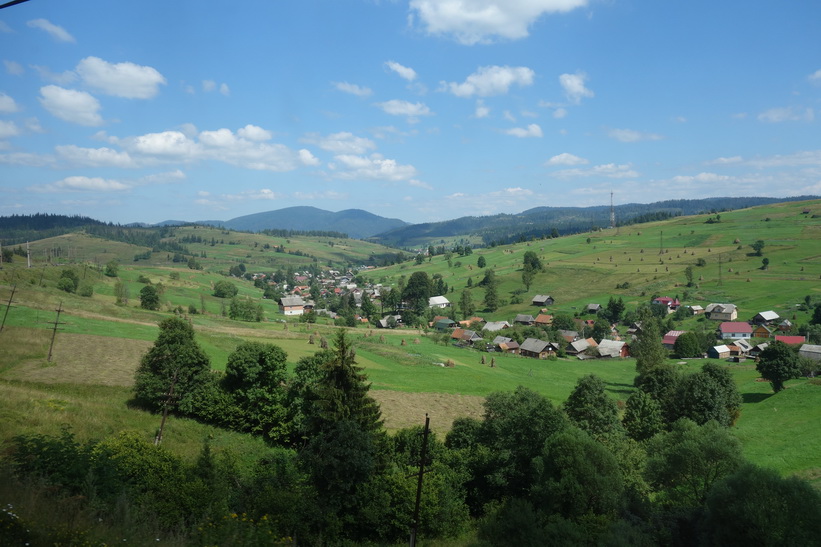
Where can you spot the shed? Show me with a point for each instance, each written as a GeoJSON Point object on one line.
{"type": "Point", "coordinates": [719, 352]}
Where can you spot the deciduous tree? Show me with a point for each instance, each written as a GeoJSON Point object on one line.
{"type": "Point", "coordinates": [777, 364]}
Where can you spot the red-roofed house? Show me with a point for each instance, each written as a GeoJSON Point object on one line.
{"type": "Point", "coordinates": [669, 339]}
{"type": "Point", "coordinates": [790, 339]}
{"type": "Point", "coordinates": [672, 304]}
{"type": "Point", "coordinates": [735, 330]}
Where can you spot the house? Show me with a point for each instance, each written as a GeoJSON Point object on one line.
{"type": "Point", "coordinates": [579, 346]}
{"type": "Point", "coordinates": [542, 300]}
{"type": "Point", "coordinates": [505, 344]}
{"type": "Point", "coordinates": [790, 339]}
{"type": "Point", "coordinates": [634, 329]}
{"type": "Point", "coordinates": [444, 324]}
{"type": "Point", "coordinates": [672, 304]}
{"type": "Point", "coordinates": [762, 331]}
{"type": "Point", "coordinates": [292, 305]}
{"type": "Point", "coordinates": [537, 349]}
{"type": "Point", "coordinates": [744, 347]}
{"type": "Point", "coordinates": [438, 302]}
{"type": "Point", "coordinates": [613, 348]}
{"type": "Point", "coordinates": [389, 322]}
{"type": "Point", "coordinates": [465, 336]}
{"type": "Point", "coordinates": [471, 321]}
{"type": "Point", "coordinates": [785, 325]}
{"type": "Point", "coordinates": [810, 351]}
{"type": "Point", "coordinates": [765, 318]}
{"type": "Point", "coordinates": [670, 338]}
{"type": "Point", "coordinates": [758, 348]}
{"type": "Point", "coordinates": [544, 320]}
{"type": "Point", "coordinates": [524, 319]}
{"type": "Point", "coordinates": [734, 330]}
{"type": "Point", "coordinates": [719, 352]}
{"type": "Point", "coordinates": [696, 309]}
{"type": "Point", "coordinates": [593, 308]}
{"type": "Point", "coordinates": [495, 326]}
{"type": "Point", "coordinates": [569, 335]}
{"type": "Point", "coordinates": [721, 312]}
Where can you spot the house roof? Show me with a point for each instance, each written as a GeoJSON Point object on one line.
{"type": "Point", "coordinates": [513, 344]}
{"type": "Point", "coordinates": [501, 340]}
{"type": "Point", "coordinates": [494, 326]}
{"type": "Point", "coordinates": [768, 315]}
{"type": "Point", "coordinates": [544, 319]}
{"type": "Point", "coordinates": [438, 301]}
{"type": "Point", "coordinates": [721, 349]}
{"type": "Point", "coordinates": [790, 339]}
{"type": "Point", "coordinates": [291, 301]}
{"type": "Point", "coordinates": [523, 318]}
{"type": "Point", "coordinates": [541, 298]}
{"type": "Point", "coordinates": [579, 345]}
{"type": "Point", "coordinates": [720, 308]}
{"type": "Point", "coordinates": [593, 307]}
{"type": "Point", "coordinates": [810, 351]}
{"type": "Point", "coordinates": [735, 327]}
{"type": "Point", "coordinates": [671, 336]}
{"type": "Point", "coordinates": [610, 348]}
{"type": "Point", "coordinates": [743, 345]}
{"type": "Point", "coordinates": [534, 345]}
{"type": "Point", "coordinates": [568, 335]}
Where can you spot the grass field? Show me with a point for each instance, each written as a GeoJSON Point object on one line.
{"type": "Point", "coordinates": [99, 344]}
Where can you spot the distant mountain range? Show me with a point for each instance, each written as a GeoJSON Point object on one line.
{"type": "Point", "coordinates": [357, 223]}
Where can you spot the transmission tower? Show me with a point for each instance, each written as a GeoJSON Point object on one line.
{"type": "Point", "coordinates": [612, 212]}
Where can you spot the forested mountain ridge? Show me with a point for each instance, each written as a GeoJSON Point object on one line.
{"type": "Point", "coordinates": [546, 221]}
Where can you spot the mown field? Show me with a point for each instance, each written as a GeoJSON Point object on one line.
{"type": "Point", "coordinates": [99, 344]}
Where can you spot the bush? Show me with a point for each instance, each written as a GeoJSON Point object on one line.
{"type": "Point", "coordinates": [225, 289]}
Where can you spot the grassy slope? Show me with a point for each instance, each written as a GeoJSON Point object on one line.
{"type": "Point", "coordinates": [777, 430]}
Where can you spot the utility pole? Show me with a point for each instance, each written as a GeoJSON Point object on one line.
{"type": "Point", "coordinates": [420, 475]}
{"type": "Point", "coordinates": [8, 307]}
{"type": "Point", "coordinates": [28, 254]}
{"type": "Point", "coordinates": [168, 398]}
{"type": "Point", "coordinates": [54, 331]}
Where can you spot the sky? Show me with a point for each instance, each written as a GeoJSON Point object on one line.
{"type": "Point", "coordinates": [422, 110]}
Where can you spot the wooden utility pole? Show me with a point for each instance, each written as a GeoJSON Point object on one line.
{"type": "Point", "coordinates": [8, 307]}
{"type": "Point", "coordinates": [54, 331]}
{"type": "Point", "coordinates": [420, 475]}
{"type": "Point", "coordinates": [168, 398]}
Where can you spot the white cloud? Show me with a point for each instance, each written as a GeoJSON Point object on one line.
{"type": "Point", "coordinates": [94, 157]}
{"type": "Point", "coordinates": [171, 145]}
{"type": "Point", "coordinates": [254, 133]}
{"type": "Point", "coordinates": [566, 159]}
{"type": "Point", "coordinates": [815, 77]}
{"type": "Point", "coordinates": [560, 113]}
{"type": "Point", "coordinates": [7, 104]}
{"type": "Point", "coordinates": [574, 88]}
{"type": "Point", "coordinates": [404, 72]}
{"type": "Point", "coordinates": [163, 178]}
{"type": "Point", "coordinates": [8, 129]}
{"type": "Point", "coordinates": [481, 111]}
{"type": "Point", "coordinates": [62, 78]}
{"type": "Point", "coordinates": [353, 89]}
{"type": "Point", "coordinates": [629, 135]}
{"type": "Point", "coordinates": [805, 158]}
{"type": "Point", "coordinates": [491, 80]}
{"type": "Point", "coordinates": [57, 32]}
{"type": "Point", "coordinates": [341, 143]}
{"type": "Point", "coordinates": [26, 159]}
{"type": "Point", "coordinates": [787, 114]}
{"type": "Point", "coordinates": [608, 170]}
{"type": "Point", "coordinates": [82, 184]}
{"type": "Point", "coordinates": [14, 68]}
{"type": "Point", "coordinates": [480, 21]}
{"type": "Point", "coordinates": [126, 80]}
{"type": "Point", "coordinates": [373, 167]}
{"type": "Point", "coordinates": [532, 130]}
{"type": "Point", "coordinates": [508, 116]}
{"type": "Point", "coordinates": [328, 194]}
{"type": "Point", "coordinates": [700, 178]}
{"type": "Point", "coordinates": [396, 107]}
{"type": "Point", "coordinates": [4, 28]}
{"type": "Point", "coordinates": [70, 105]}
{"type": "Point", "coordinates": [420, 184]}
{"type": "Point", "coordinates": [225, 90]}
{"type": "Point", "coordinates": [726, 161]}
{"type": "Point", "coordinates": [306, 158]}
{"type": "Point", "coordinates": [209, 85]}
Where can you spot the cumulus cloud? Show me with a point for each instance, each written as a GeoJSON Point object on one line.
{"type": "Point", "coordinates": [574, 88]}
{"type": "Point", "coordinates": [481, 111]}
{"type": "Point", "coordinates": [630, 135]}
{"type": "Point", "coordinates": [7, 104]}
{"type": "Point", "coordinates": [815, 77]}
{"type": "Point", "coordinates": [353, 89]}
{"type": "Point", "coordinates": [608, 170]}
{"type": "Point", "coordinates": [70, 105]}
{"type": "Point", "coordinates": [481, 21]}
{"type": "Point", "coordinates": [8, 129]}
{"type": "Point", "coordinates": [13, 68]}
{"type": "Point", "coordinates": [343, 142]}
{"type": "Point", "coordinates": [700, 178]}
{"type": "Point", "coordinates": [412, 111]}
{"type": "Point", "coordinates": [373, 167]}
{"type": "Point", "coordinates": [491, 80]}
{"type": "Point", "coordinates": [726, 161]}
{"type": "Point", "coordinates": [94, 157]}
{"type": "Point", "coordinates": [254, 133]}
{"type": "Point", "coordinates": [404, 72]}
{"type": "Point", "coordinates": [57, 32]}
{"type": "Point", "coordinates": [532, 130]}
{"type": "Point", "coordinates": [62, 78]}
{"type": "Point", "coordinates": [82, 184]}
{"type": "Point", "coordinates": [787, 114]}
{"type": "Point", "coordinates": [306, 158]}
{"type": "Point", "coordinates": [127, 80]}
{"type": "Point", "coordinates": [566, 159]}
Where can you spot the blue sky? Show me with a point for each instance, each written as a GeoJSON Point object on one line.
{"type": "Point", "coordinates": [421, 110]}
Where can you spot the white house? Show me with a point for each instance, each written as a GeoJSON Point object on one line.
{"type": "Point", "coordinates": [438, 302]}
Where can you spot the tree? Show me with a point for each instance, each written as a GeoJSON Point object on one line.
{"type": "Point", "coordinates": [648, 349]}
{"type": "Point", "coordinates": [481, 261]}
{"type": "Point", "coordinates": [688, 274]}
{"type": "Point", "coordinates": [777, 364]}
{"type": "Point", "coordinates": [491, 297]}
{"type": "Point", "coordinates": [244, 309]}
{"type": "Point", "coordinates": [66, 284]}
{"type": "Point", "coordinates": [687, 346]}
{"type": "Point", "coordinates": [417, 292]}
{"type": "Point", "coordinates": [120, 293]}
{"type": "Point", "coordinates": [149, 298]}
{"type": "Point", "coordinates": [174, 358]}
{"type": "Point", "coordinates": [685, 462]}
{"type": "Point", "coordinates": [765, 263]}
{"type": "Point", "coordinates": [111, 268]}
{"type": "Point", "coordinates": [758, 246]}
{"type": "Point", "coordinates": [592, 410]}
{"type": "Point", "coordinates": [614, 310]}
{"type": "Point", "coordinates": [531, 260]}
{"type": "Point", "coordinates": [642, 416]}
{"type": "Point", "coordinates": [661, 383]}
{"type": "Point", "coordinates": [225, 289]}
{"type": "Point", "coordinates": [756, 506]}
{"type": "Point", "coordinates": [601, 330]}
{"type": "Point", "coordinates": [466, 305]}
{"type": "Point", "coordinates": [255, 376]}
{"type": "Point", "coordinates": [72, 277]}
{"type": "Point", "coordinates": [528, 275]}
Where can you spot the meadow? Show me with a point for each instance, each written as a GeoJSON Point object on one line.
{"type": "Point", "coordinates": [98, 344]}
